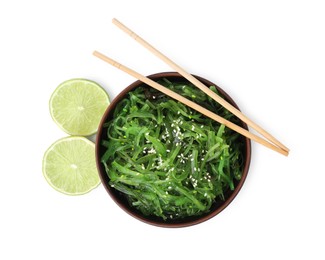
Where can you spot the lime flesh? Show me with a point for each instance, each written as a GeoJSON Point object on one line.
{"type": "Point", "coordinates": [77, 106]}
{"type": "Point", "coordinates": [69, 165]}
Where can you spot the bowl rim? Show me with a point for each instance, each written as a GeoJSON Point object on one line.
{"type": "Point", "coordinates": [137, 215]}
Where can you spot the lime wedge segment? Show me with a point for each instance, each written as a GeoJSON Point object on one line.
{"type": "Point", "coordinates": [77, 106]}
{"type": "Point", "coordinates": [69, 165]}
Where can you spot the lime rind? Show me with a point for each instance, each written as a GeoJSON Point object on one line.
{"type": "Point", "coordinates": [74, 119]}
{"type": "Point", "coordinates": [61, 161]}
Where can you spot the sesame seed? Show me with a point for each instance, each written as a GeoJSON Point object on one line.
{"type": "Point", "coordinates": [152, 150]}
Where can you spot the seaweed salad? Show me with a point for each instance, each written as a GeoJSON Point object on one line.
{"type": "Point", "coordinates": [169, 160]}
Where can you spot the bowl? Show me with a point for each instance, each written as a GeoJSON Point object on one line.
{"type": "Point", "coordinates": [120, 199]}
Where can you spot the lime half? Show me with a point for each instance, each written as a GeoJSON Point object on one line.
{"type": "Point", "coordinates": [77, 106]}
{"type": "Point", "coordinates": [69, 165]}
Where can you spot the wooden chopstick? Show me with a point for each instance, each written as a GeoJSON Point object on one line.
{"type": "Point", "coordinates": [190, 103]}
{"type": "Point", "coordinates": [200, 85]}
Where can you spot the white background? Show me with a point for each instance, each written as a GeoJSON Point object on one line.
{"type": "Point", "coordinates": [268, 55]}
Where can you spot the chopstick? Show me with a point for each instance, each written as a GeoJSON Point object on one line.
{"type": "Point", "coordinates": [201, 86]}
{"type": "Point", "coordinates": [189, 103]}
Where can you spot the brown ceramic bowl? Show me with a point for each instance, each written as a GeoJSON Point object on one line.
{"type": "Point", "coordinates": [121, 200]}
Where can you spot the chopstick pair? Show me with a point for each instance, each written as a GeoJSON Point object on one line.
{"type": "Point", "coordinates": [272, 142]}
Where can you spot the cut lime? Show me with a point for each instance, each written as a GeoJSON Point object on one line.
{"type": "Point", "coordinates": [69, 165]}
{"type": "Point", "coordinates": [77, 106]}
